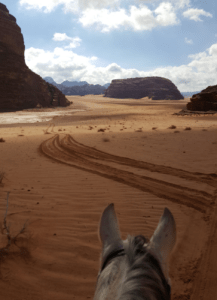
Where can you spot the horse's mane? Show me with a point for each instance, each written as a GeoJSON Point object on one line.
{"type": "Point", "coordinates": [145, 278]}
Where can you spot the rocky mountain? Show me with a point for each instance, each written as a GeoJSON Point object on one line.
{"type": "Point", "coordinates": [189, 94]}
{"type": "Point", "coordinates": [205, 100]}
{"type": "Point", "coordinates": [50, 80]}
{"type": "Point", "coordinates": [20, 87]}
{"type": "Point", "coordinates": [157, 88]}
{"type": "Point", "coordinates": [82, 90]}
{"type": "Point", "coordinates": [77, 87]}
{"type": "Point", "coordinates": [74, 83]}
{"type": "Point", "coordinates": [106, 85]}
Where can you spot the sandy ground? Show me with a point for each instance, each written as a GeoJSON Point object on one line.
{"type": "Point", "coordinates": [62, 174]}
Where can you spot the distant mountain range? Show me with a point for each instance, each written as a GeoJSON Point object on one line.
{"type": "Point", "coordinates": [78, 87]}
{"type": "Point", "coordinates": [84, 88]}
{"type": "Point", "coordinates": [189, 94]}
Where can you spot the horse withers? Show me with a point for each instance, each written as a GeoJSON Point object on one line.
{"type": "Point", "coordinates": [136, 268]}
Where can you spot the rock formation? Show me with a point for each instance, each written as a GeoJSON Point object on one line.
{"type": "Point", "coordinates": [157, 88]}
{"type": "Point", "coordinates": [205, 100]}
{"type": "Point", "coordinates": [20, 87]}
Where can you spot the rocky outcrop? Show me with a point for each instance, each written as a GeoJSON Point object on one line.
{"type": "Point", "coordinates": [157, 88]}
{"type": "Point", "coordinates": [205, 100]}
{"type": "Point", "coordinates": [20, 87]}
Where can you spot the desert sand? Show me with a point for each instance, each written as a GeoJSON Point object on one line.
{"type": "Point", "coordinates": [62, 173]}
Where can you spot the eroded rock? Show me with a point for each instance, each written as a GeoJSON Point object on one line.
{"type": "Point", "coordinates": [20, 87]}
{"type": "Point", "coordinates": [157, 88]}
{"type": "Point", "coordinates": [205, 100]}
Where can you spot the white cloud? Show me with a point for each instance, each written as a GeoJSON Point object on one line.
{"type": "Point", "coordinates": [194, 14]}
{"type": "Point", "coordinates": [107, 15]}
{"type": "Point", "coordinates": [60, 37]}
{"type": "Point", "coordinates": [62, 64]}
{"type": "Point", "coordinates": [141, 18]}
{"type": "Point", "coordinates": [165, 15]}
{"type": "Point", "coordinates": [47, 6]}
{"type": "Point", "coordinates": [188, 41]}
{"type": "Point", "coordinates": [68, 5]}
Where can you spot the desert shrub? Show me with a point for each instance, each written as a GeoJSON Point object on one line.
{"type": "Point", "coordinates": [106, 140]}
{"type": "Point", "coordinates": [17, 241]}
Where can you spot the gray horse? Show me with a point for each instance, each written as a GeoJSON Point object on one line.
{"type": "Point", "coordinates": [134, 269]}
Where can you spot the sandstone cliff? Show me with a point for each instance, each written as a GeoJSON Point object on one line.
{"type": "Point", "coordinates": [20, 87]}
{"type": "Point", "coordinates": [157, 88]}
{"type": "Point", "coordinates": [205, 100]}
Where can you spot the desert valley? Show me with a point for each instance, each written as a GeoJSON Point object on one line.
{"type": "Point", "coordinates": [141, 157]}
{"type": "Point", "coordinates": [141, 145]}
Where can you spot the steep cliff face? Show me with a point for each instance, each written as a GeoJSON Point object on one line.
{"type": "Point", "coordinates": [157, 88]}
{"type": "Point", "coordinates": [205, 100]}
{"type": "Point", "coordinates": [20, 87]}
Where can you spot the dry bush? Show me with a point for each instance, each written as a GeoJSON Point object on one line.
{"type": "Point", "coordinates": [188, 128]}
{"type": "Point", "coordinates": [106, 140]}
{"type": "Point", "coordinates": [2, 140]}
{"type": "Point", "coordinates": [176, 131]}
{"type": "Point", "coordinates": [172, 127]}
{"type": "Point", "coordinates": [18, 241]}
{"type": "Point", "coordinates": [154, 128]}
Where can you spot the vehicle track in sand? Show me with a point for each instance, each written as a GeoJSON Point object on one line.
{"type": "Point", "coordinates": [65, 149]}
{"type": "Point", "coordinates": [68, 151]}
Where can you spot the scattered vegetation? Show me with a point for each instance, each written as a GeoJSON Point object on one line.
{"type": "Point", "coordinates": [172, 127]}
{"type": "Point", "coordinates": [101, 130]}
{"type": "Point", "coordinates": [154, 128]}
{"type": "Point", "coordinates": [17, 241]}
{"type": "Point", "coordinates": [2, 140]}
{"type": "Point", "coordinates": [176, 131]}
{"type": "Point", "coordinates": [204, 129]}
{"type": "Point", "coordinates": [139, 130]}
{"type": "Point", "coordinates": [188, 128]}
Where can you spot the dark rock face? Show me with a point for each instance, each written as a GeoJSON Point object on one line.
{"type": "Point", "coordinates": [205, 100]}
{"type": "Point", "coordinates": [20, 87]}
{"type": "Point", "coordinates": [157, 88]}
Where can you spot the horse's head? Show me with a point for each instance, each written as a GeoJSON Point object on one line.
{"type": "Point", "coordinates": [136, 268]}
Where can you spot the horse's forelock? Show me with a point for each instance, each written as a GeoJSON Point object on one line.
{"type": "Point", "coordinates": [145, 277]}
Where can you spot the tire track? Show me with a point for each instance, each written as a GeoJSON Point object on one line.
{"type": "Point", "coordinates": [74, 154]}
{"type": "Point", "coordinates": [69, 142]}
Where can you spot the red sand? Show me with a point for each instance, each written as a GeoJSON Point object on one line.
{"type": "Point", "coordinates": [140, 169]}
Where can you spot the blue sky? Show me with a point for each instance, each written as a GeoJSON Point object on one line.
{"type": "Point", "coordinates": [100, 40]}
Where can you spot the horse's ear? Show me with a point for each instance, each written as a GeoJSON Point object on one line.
{"type": "Point", "coordinates": [109, 229]}
{"type": "Point", "coordinates": [164, 237]}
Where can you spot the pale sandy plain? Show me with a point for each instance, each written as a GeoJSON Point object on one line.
{"type": "Point", "coordinates": [61, 178]}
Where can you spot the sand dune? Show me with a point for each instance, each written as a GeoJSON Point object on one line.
{"type": "Point", "coordinates": [61, 182]}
